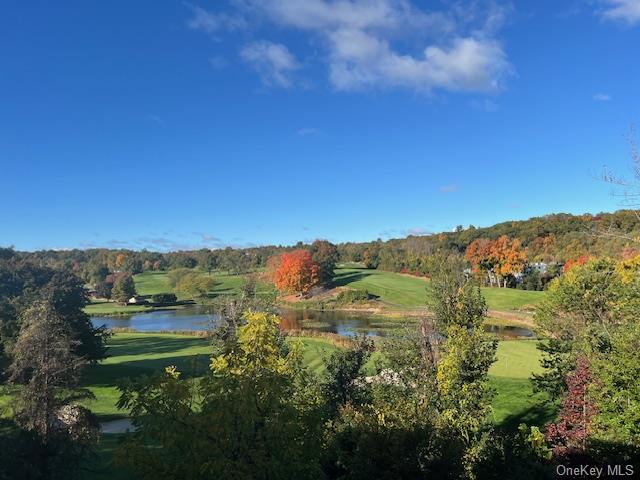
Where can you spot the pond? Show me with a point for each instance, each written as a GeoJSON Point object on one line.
{"type": "Point", "coordinates": [341, 323]}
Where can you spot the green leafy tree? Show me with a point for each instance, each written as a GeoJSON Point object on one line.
{"type": "Point", "coordinates": [123, 288]}
{"type": "Point", "coordinates": [579, 313]}
{"type": "Point", "coordinates": [196, 285]}
{"type": "Point", "coordinates": [345, 378]}
{"type": "Point", "coordinates": [617, 394]}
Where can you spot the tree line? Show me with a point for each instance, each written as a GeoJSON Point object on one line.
{"type": "Point", "coordinates": [553, 239]}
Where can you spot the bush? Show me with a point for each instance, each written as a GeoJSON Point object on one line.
{"type": "Point", "coordinates": [352, 296]}
{"type": "Point", "coordinates": [164, 298]}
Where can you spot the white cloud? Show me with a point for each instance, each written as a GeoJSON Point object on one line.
{"type": "Point", "coordinates": [359, 36]}
{"type": "Point", "coordinates": [627, 11]}
{"type": "Point", "coordinates": [273, 62]}
{"type": "Point", "coordinates": [380, 44]}
{"type": "Point", "coordinates": [466, 64]}
{"type": "Point", "coordinates": [602, 97]}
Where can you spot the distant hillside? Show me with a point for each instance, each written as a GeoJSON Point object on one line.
{"type": "Point", "coordinates": [551, 238]}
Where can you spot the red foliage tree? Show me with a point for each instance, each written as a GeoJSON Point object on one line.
{"type": "Point", "coordinates": [297, 273]}
{"type": "Point", "coordinates": [575, 263]}
{"type": "Point", "coordinates": [571, 431]}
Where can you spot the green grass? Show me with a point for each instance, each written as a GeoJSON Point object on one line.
{"type": "Point", "coordinates": [510, 298]}
{"type": "Point", "coordinates": [135, 354]}
{"type": "Point", "coordinates": [112, 308]}
{"type": "Point", "coordinates": [150, 283]}
{"type": "Point", "coordinates": [515, 401]}
{"type": "Point", "coordinates": [405, 291]}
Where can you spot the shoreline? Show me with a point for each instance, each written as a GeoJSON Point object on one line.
{"type": "Point", "coordinates": [503, 317]}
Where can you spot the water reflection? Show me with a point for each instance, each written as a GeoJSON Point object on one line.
{"type": "Point", "coordinates": [342, 323]}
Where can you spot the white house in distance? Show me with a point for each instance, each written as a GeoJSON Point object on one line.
{"type": "Point", "coordinates": [137, 300]}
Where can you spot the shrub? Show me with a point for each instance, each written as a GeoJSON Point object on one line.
{"type": "Point", "coordinates": [352, 296]}
{"type": "Point", "coordinates": [164, 298]}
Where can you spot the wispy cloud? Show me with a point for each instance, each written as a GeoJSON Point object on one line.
{"type": "Point", "coordinates": [602, 97]}
{"type": "Point", "coordinates": [449, 188]}
{"type": "Point", "coordinates": [418, 232]}
{"type": "Point", "coordinates": [304, 132]}
{"type": "Point", "coordinates": [625, 11]}
{"type": "Point", "coordinates": [273, 62]}
{"type": "Point", "coordinates": [209, 22]}
{"type": "Point", "coordinates": [405, 232]}
{"type": "Point", "coordinates": [167, 242]}
{"type": "Point", "coordinates": [380, 44]}
{"type": "Point", "coordinates": [157, 120]}
{"type": "Point", "coordinates": [486, 104]}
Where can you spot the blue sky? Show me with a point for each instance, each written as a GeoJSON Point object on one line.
{"type": "Point", "coordinates": [170, 124]}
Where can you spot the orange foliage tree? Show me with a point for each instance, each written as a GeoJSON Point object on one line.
{"type": "Point", "coordinates": [478, 254]}
{"type": "Point", "coordinates": [501, 257]}
{"type": "Point", "coordinates": [297, 273]}
{"type": "Point", "coordinates": [509, 257]}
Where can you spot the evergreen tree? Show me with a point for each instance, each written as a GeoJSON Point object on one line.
{"type": "Point", "coordinates": [48, 373]}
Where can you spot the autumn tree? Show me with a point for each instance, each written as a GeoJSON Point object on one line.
{"type": "Point", "coordinates": [272, 266]}
{"type": "Point", "coordinates": [297, 272]}
{"type": "Point", "coordinates": [502, 257]}
{"type": "Point", "coordinates": [578, 409]}
{"type": "Point", "coordinates": [478, 254]}
{"type": "Point", "coordinates": [371, 256]}
{"type": "Point", "coordinates": [325, 255]}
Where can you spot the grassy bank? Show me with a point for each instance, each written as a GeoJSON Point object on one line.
{"type": "Point", "coordinates": [405, 291]}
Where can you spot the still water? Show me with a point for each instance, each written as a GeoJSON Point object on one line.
{"type": "Point", "coordinates": [342, 323]}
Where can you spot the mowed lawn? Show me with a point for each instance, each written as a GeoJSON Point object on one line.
{"type": "Point", "coordinates": [405, 291]}
{"type": "Point", "coordinates": [515, 401]}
